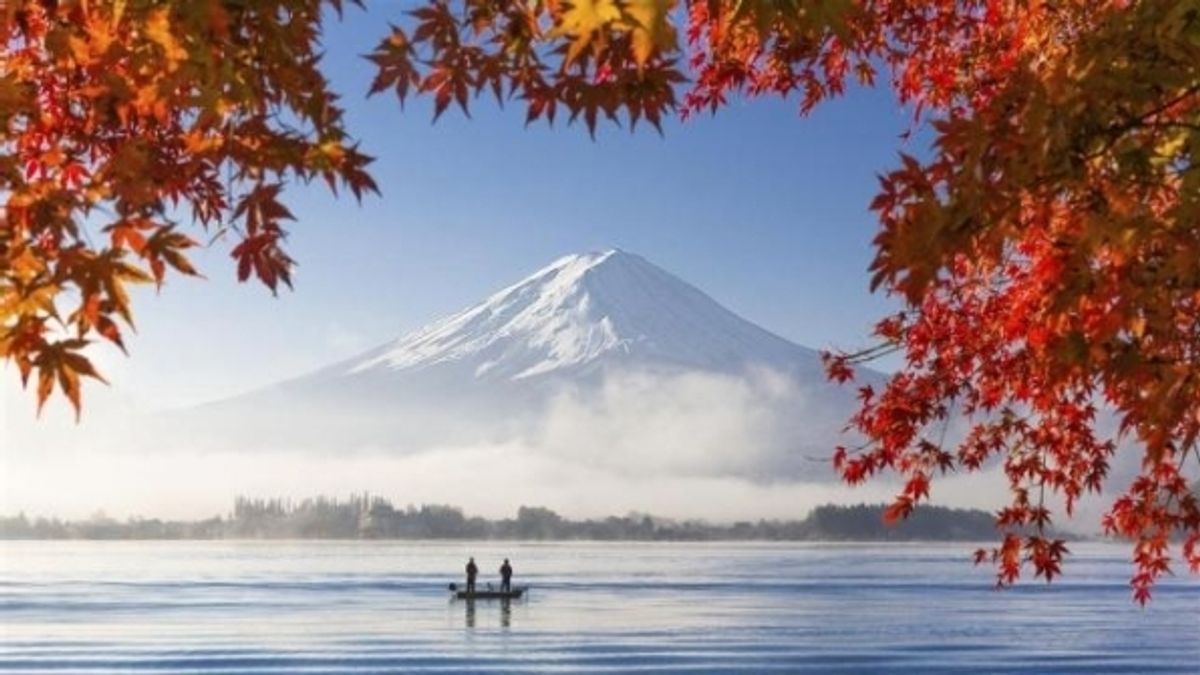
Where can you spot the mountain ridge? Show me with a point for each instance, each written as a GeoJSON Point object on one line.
{"type": "Point", "coordinates": [579, 310]}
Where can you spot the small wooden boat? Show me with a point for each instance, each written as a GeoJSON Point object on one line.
{"type": "Point", "coordinates": [488, 593]}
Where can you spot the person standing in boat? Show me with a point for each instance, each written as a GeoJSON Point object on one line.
{"type": "Point", "coordinates": [506, 577]}
{"type": "Point", "coordinates": [472, 572]}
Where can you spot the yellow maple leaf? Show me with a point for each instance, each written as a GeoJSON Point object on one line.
{"type": "Point", "coordinates": [158, 29]}
{"type": "Point", "coordinates": [650, 28]}
{"type": "Point", "coordinates": [582, 19]}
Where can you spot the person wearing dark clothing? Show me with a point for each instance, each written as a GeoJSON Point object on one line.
{"type": "Point", "coordinates": [472, 572]}
{"type": "Point", "coordinates": [506, 576]}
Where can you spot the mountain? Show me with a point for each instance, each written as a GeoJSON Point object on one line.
{"type": "Point", "coordinates": [580, 314]}
{"type": "Point", "coordinates": [597, 334]}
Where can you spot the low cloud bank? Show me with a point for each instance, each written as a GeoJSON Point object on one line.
{"type": "Point", "coordinates": [490, 480]}
{"type": "Point", "coordinates": [686, 445]}
{"type": "Point", "coordinates": [761, 426]}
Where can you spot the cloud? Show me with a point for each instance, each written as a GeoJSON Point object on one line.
{"type": "Point", "coordinates": [491, 480]}
{"type": "Point", "coordinates": [686, 445]}
{"type": "Point", "coordinates": [760, 425]}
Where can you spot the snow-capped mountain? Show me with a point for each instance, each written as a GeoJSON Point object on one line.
{"type": "Point", "coordinates": [605, 345]}
{"type": "Point", "coordinates": [582, 312]}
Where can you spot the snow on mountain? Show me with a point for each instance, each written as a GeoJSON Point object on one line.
{"type": "Point", "coordinates": [582, 311]}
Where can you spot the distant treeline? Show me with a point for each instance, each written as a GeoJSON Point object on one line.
{"type": "Point", "coordinates": [367, 517]}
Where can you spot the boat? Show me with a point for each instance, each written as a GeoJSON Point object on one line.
{"type": "Point", "coordinates": [488, 593]}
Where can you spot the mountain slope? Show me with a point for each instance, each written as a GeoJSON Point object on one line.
{"type": "Point", "coordinates": [582, 311]}
{"type": "Point", "coordinates": [594, 348]}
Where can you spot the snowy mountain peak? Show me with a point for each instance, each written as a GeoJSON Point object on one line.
{"type": "Point", "coordinates": [580, 312]}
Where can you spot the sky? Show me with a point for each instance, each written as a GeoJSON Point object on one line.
{"type": "Point", "coordinates": [761, 208]}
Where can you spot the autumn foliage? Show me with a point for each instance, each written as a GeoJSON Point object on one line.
{"type": "Point", "coordinates": [123, 121]}
{"type": "Point", "coordinates": [1046, 250]}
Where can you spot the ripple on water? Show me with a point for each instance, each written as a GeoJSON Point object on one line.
{"type": "Point", "coordinates": [358, 607]}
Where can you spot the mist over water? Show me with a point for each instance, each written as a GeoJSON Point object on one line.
{"type": "Point", "coordinates": [709, 445]}
{"type": "Point", "coordinates": [325, 607]}
{"type": "Point", "coordinates": [720, 447]}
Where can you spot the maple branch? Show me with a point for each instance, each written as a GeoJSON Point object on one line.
{"type": "Point", "coordinates": [1157, 110]}
{"type": "Point", "coordinates": [850, 452]}
{"type": "Point", "coordinates": [1041, 492]}
{"type": "Point", "coordinates": [875, 352]}
{"type": "Point", "coordinates": [1116, 131]}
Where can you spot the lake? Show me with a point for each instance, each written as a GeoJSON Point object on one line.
{"type": "Point", "coordinates": [360, 607]}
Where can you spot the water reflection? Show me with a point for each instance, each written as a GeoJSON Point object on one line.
{"type": "Point", "coordinates": [505, 613]}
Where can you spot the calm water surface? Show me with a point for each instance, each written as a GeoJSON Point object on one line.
{"type": "Point", "coordinates": [361, 607]}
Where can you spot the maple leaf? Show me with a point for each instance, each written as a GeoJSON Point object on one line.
{"type": "Point", "coordinates": [393, 58]}
{"type": "Point", "coordinates": [584, 21]}
{"type": "Point", "coordinates": [650, 26]}
{"type": "Point", "coordinates": [158, 29]}
{"type": "Point", "coordinates": [61, 363]}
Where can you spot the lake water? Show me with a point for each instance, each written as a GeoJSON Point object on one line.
{"type": "Point", "coordinates": [360, 607]}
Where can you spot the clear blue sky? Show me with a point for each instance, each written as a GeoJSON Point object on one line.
{"type": "Point", "coordinates": [763, 209]}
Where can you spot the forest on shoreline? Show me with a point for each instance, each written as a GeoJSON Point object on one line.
{"type": "Point", "coordinates": [373, 517]}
